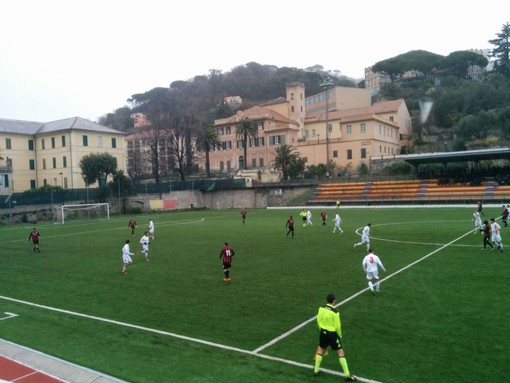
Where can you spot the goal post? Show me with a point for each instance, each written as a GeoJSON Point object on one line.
{"type": "Point", "coordinates": [85, 211]}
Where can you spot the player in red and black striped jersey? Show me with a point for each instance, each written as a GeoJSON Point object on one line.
{"type": "Point", "coordinates": [132, 225]}
{"type": "Point", "coordinates": [34, 236]}
{"type": "Point", "coordinates": [227, 252]}
{"type": "Point", "coordinates": [290, 226]}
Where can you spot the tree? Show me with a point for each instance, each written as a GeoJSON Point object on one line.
{"type": "Point", "coordinates": [285, 157]}
{"type": "Point", "coordinates": [245, 130]}
{"type": "Point", "coordinates": [501, 50]}
{"type": "Point", "coordinates": [97, 167]}
{"type": "Point", "coordinates": [208, 139]}
{"type": "Point", "coordinates": [419, 61]}
{"type": "Point", "coordinates": [458, 63]}
{"type": "Point", "coordinates": [183, 130]}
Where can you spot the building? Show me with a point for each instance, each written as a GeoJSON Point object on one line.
{"type": "Point", "coordinates": [35, 154]}
{"type": "Point", "coordinates": [273, 129]}
{"type": "Point", "coordinates": [357, 129]}
{"type": "Point", "coordinates": [355, 135]}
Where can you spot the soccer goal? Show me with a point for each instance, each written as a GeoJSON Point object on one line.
{"type": "Point", "coordinates": [85, 211]}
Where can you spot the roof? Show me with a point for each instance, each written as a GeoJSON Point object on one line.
{"type": "Point", "coordinates": [377, 108]}
{"type": "Point", "coordinates": [255, 113]}
{"type": "Point", "coordinates": [33, 128]}
{"type": "Point", "coordinates": [464, 156]}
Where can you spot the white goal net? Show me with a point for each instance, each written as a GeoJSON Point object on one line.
{"type": "Point", "coordinates": [85, 211]}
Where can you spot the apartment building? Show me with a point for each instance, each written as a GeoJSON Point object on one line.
{"type": "Point", "coordinates": [35, 154]}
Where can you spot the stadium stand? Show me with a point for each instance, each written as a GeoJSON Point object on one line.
{"type": "Point", "coordinates": [415, 191]}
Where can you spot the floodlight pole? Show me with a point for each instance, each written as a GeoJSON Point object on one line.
{"type": "Point", "coordinates": [326, 83]}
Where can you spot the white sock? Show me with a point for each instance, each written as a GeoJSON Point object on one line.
{"type": "Point", "coordinates": [371, 285]}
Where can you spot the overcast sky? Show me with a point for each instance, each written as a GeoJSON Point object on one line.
{"type": "Point", "coordinates": [66, 58]}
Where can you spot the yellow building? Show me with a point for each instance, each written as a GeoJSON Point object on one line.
{"type": "Point", "coordinates": [355, 135]}
{"type": "Point", "coordinates": [35, 154]}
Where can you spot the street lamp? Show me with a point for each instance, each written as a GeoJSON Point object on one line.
{"type": "Point", "coordinates": [327, 82]}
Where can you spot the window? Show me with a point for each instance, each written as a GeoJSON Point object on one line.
{"type": "Point", "coordinates": [391, 118]}
{"type": "Point", "coordinates": [30, 144]}
{"type": "Point", "coordinates": [114, 142]}
{"type": "Point", "coordinates": [226, 145]}
{"type": "Point", "coordinates": [349, 154]}
{"type": "Point", "coordinates": [8, 144]}
{"type": "Point", "coordinates": [85, 140]}
{"type": "Point", "coordinates": [222, 166]}
{"type": "Point", "coordinates": [335, 153]}
{"type": "Point", "coordinates": [221, 131]}
{"type": "Point", "coordinates": [363, 153]}
{"type": "Point", "coordinates": [228, 130]}
{"type": "Point", "coordinates": [43, 144]}
{"type": "Point", "coordinates": [44, 163]}
{"type": "Point", "coordinates": [64, 162]}
{"type": "Point", "coordinates": [63, 141]}
{"type": "Point", "coordinates": [229, 166]}
{"type": "Point", "coordinates": [240, 144]}
{"type": "Point", "coordinates": [330, 128]}
{"type": "Point", "coordinates": [54, 162]}
{"type": "Point", "coordinates": [292, 108]}
{"type": "Point", "coordinates": [362, 128]}
{"type": "Point", "coordinates": [292, 96]}
{"type": "Point", "coordinates": [276, 140]}
{"type": "Point", "coordinates": [254, 163]}
{"type": "Point", "coordinates": [99, 141]}
{"type": "Point", "coordinates": [32, 184]}
{"type": "Point", "coordinates": [348, 129]}
{"type": "Point", "coordinates": [31, 164]}
{"type": "Point", "coordinates": [314, 133]}
{"type": "Point", "coordinates": [53, 142]}
{"type": "Point", "coordinates": [261, 162]}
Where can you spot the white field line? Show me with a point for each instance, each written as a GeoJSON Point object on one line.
{"type": "Point", "coordinates": [172, 223]}
{"type": "Point", "coordinates": [298, 327]}
{"type": "Point", "coordinates": [174, 335]}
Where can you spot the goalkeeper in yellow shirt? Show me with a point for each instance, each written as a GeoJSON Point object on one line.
{"type": "Point", "coordinates": [330, 335]}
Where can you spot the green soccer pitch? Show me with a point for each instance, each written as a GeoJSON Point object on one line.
{"type": "Point", "coordinates": [441, 314]}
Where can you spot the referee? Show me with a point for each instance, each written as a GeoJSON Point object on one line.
{"type": "Point", "coordinates": [330, 330]}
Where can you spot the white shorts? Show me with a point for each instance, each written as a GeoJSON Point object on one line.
{"type": "Point", "coordinates": [496, 238]}
{"type": "Point", "coordinates": [365, 239]}
{"type": "Point", "coordinates": [372, 275]}
{"type": "Point", "coordinates": [145, 248]}
{"type": "Point", "coordinates": [126, 259]}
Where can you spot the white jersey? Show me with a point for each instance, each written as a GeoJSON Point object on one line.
{"type": "Point", "coordinates": [145, 242]}
{"type": "Point", "coordinates": [365, 234]}
{"type": "Point", "coordinates": [126, 254]}
{"type": "Point", "coordinates": [337, 220]}
{"type": "Point", "coordinates": [477, 219]}
{"type": "Point", "coordinates": [371, 264]}
{"type": "Point", "coordinates": [495, 232]}
{"type": "Point", "coordinates": [151, 227]}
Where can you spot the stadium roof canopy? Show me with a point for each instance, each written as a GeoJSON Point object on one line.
{"type": "Point", "coordinates": [464, 156]}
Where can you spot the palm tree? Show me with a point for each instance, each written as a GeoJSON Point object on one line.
{"type": "Point", "coordinates": [285, 157]}
{"type": "Point", "coordinates": [245, 130]}
{"type": "Point", "coordinates": [208, 139]}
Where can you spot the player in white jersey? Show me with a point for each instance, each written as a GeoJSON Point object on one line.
{"type": "Point", "coordinates": [309, 217]}
{"type": "Point", "coordinates": [478, 221]}
{"type": "Point", "coordinates": [151, 228]}
{"type": "Point", "coordinates": [365, 237]}
{"type": "Point", "coordinates": [144, 241]}
{"type": "Point", "coordinates": [496, 234]}
{"type": "Point", "coordinates": [126, 257]}
{"type": "Point", "coordinates": [371, 264]}
{"type": "Point", "coordinates": [337, 220]}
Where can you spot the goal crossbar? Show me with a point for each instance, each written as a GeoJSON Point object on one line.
{"type": "Point", "coordinates": [87, 207]}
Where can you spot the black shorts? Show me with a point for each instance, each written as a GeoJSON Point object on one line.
{"type": "Point", "coordinates": [226, 265]}
{"type": "Point", "coordinates": [35, 241]}
{"type": "Point", "coordinates": [329, 339]}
